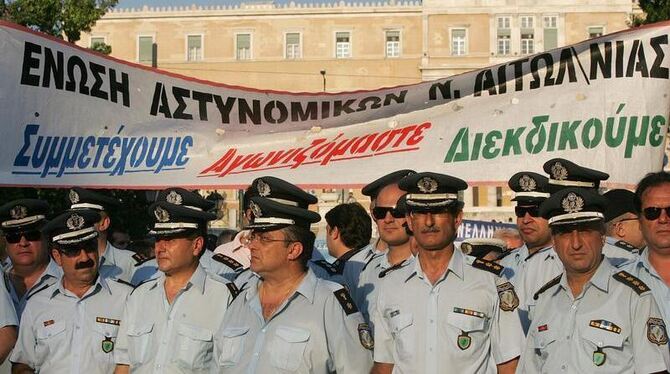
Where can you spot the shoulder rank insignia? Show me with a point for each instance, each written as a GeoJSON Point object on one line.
{"type": "Point", "coordinates": [656, 332]}
{"type": "Point", "coordinates": [346, 301]}
{"type": "Point", "coordinates": [508, 297]}
{"type": "Point", "coordinates": [140, 258]}
{"type": "Point", "coordinates": [626, 246]}
{"type": "Point", "coordinates": [234, 291]}
{"type": "Point", "coordinates": [365, 336]}
{"type": "Point", "coordinates": [227, 260]}
{"type": "Point", "coordinates": [328, 267]}
{"type": "Point", "coordinates": [489, 266]}
{"type": "Point", "coordinates": [629, 280]}
{"type": "Point", "coordinates": [397, 266]}
{"type": "Point", "coordinates": [605, 325]}
{"type": "Point", "coordinates": [547, 286]}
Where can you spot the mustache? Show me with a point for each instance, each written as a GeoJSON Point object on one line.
{"type": "Point", "coordinates": [430, 229]}
{"type": "Point", "coordinates": [84, 265]}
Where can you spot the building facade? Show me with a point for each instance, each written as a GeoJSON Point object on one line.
{"type": "Point", "coordinates": [345, 46]}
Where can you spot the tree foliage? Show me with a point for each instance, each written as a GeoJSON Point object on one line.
{"type": "Point", "coordinates": [654, 11]}
{"type": "Point", "coordinates": [103, 48]}
{"type": "Point", "coordinates": [60, 18]}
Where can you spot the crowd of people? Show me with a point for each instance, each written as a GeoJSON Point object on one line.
{"type": "Point", "coordinates": [582, 288]}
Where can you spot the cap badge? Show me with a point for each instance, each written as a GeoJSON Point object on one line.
{"type": "Point", "coordinates": [572, 203]}
{"type": "Point", "coordinates": [73, 196]}
{"type": "Point", "coordinates": [255, 209]}
{"type": "Point", "coordinates": [527, 183]}
{"type": "Point", "coordinates": [18, 212]}
{"type": "Point", "coordinates": [427, 185]}
{"type": "Point", "coordinates": [559, 172]}
{"type": "Point", "coordinates": [174, 198]}
{"type": "Point", "coordinates": [263, 188]}
{"type": "Point", "coordinates": [161, 214]}
{"type": "Point", "coordinates": [75, 222]}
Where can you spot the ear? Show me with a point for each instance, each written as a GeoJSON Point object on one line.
{"type": "Point", "coordinates": [57, 257]}
{"type": "Point", "coordinates": [198, 245]}
{"type": "Point", "coordinates": [104, 223]}
{"type": "Point", "coordinates": [619, 230]}
{"type": "Point", "coordinates": [295, 250]}
{"type": "Point", "coordinates": [335, 233]}
{"type": "Point", "coordinates": [458, 219]}
{"type": "Point", "coordinates": [408, 219]}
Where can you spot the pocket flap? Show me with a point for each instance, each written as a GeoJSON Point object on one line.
{"type": "Point", "coordinates": [194, 332]}
{"type": "Point", "coordinates": [400, 321]}
{"type": "Point", "coordinates": [140, 329]}
{"type": "Point", "coordinates": [602, 338]}
{"type": "Point", "coordinates": [292, 334]}
{"type": "Point", "coordinates": [540, 340]}
{"type": "Point", "coordinates": [109, 331]}
{"type": "Point", "coordinates": [48, 331]}
{"type": "Point", "coordinates": [466, 322]}
{"type": "Point", "coordinates": [231, 332]}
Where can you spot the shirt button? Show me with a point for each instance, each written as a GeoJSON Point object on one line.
{"type": "Point", "coordinates": [562, 367]}
{"type": "Point", "coordinates": [263, 330]}
{"type": "Point", "coordinates": [256, 354]}
{"type": "Point", "coordinates": [573, 307]}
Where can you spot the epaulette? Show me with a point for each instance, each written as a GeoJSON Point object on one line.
{"type": "Point", "coordinates": [140, 258]}
{"type": "Point", "coordinates": [626, 246]}
{"type": "Point", "coordinates": [631, 281]}
{"type": "Point", "coordinates": [547, 286]}
{"type": "Point", "coordinates": [124, 282]}
{"type": "Point", "coordinates": [233, 289]}
{"type": "Point", "coordinates": [227, 260]}
{"type": "Point", "coordinates": [37, 291]}
{"type": "Point", "coordinates": [141, 284]}
{"type": "Point", "coordinates": [346, 301]}
{"type": "Point", "coordinates": [328, 267]}
{"type": "Point", "coordinates": [395, 267]}
{"type": "Point", "coordinates": [489, 266]}
{"type": "Point", "coordinates": [369, 261]}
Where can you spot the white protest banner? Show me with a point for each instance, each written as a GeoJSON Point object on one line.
{"type": "Point", "coordinates": [73, 117]}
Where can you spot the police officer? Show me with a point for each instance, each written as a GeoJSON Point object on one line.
{"type": "Point", "coordinates": [71, 326]}
{"type": "Point", "coordinates": [624, 237]}
{"type": "Point", "coordinates": [31, 269]}
{"type": "Point", "coordinates": [169, 321]}
{"type": "Point", "coordinates": [530, 190]}
{"type": "Point", "coordinates": [8, 321]}
{"type": "Point", "coordinates": [115, 263]}
{"type": "Point", "coordinates": [445, 312]}
{"type": "Point", "coordinates": [593, 317]}
{"type": "Point", "coordinates": [286, 319]}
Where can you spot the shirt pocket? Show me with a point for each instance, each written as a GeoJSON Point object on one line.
{"type": "Point", "coordinates": [194, 346]}
{"type": "Point", "coordinates": [469, 333]}
{"type": "Point", "coordinates": [104, 342]}
{"type": "Point", "coordinates": [288, 347]}
{"type": "Point", "coordinates": [400, 327]}
{"type": "Point", "coordinates": [139, 338]}
{"type": "Point", "coordinates": [49, 339]}
{"type": "Point", "coordinates": [232, 345]}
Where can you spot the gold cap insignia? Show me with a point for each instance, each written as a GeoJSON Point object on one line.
{"type": "Point", "coordinates": [263, 188]}
{"type": "Point", "coordinates": [527, 183]}
{"type": "Point", "coordinates": [572, 203]}
{"type": "Point", "coordinates": [174, 198]}
{"type": "Point", "coordinates": [559, 172]}
{"type": "Point", "coordinates": [161, 214]}
{"type": "Point", "coordinates": [427, 185]}
{"type": "Point", "coordinates": [75, 222]}
{"type": "Point", "coordinates": [18, 212]}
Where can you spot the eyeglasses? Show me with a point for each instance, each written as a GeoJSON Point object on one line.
{"type": "Point", "coordinates": [262, 239]}
{"type": "Point", "coordinates": [15, 237]}
{"type": "Point", "coordinates": [379, 212]}
{"type": "Point", "coordinates": [73, 251]}
{"type": "Point", "coordinates": [652, 213]}
{"type": "Point", "coordinates": [533, 211]}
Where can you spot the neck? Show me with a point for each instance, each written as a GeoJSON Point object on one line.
{"type": "Point", "coordinates": [26, 271]}
{"type": "Point", "coordinates": [177, 279]}
{"type": "Point", "coordinates": [537, 247]}
{"type": "Point", "coordinates": [340, 250]}
{"type": "Point", "coordinates": [77, 288]}
{"type": "Point", "coordinates": [380, 245]}
{"type": "Point", "coordinates": [661, 263]}
{"type": "Point", "coordinates": [577, 281]}
{"type": "Point", "coordinates": [102, 244]}
{"type": "Point", "coordinates": [282, 281]}
{"type": "Point", "coordinates": [399, 253]}
{"type": "Point", "coordinates": [434, 263]}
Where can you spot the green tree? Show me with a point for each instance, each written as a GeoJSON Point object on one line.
{"type": "Point", "coordinates": [103, 48]}
{"type": "Point", "coordinates": [61, 18]}
{"type": "Point", "coordinates": [654, 11]}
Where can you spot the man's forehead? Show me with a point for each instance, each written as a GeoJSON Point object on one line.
{"type": "Point", "coordinates": [659, 192]}
{"type": "Point", "coordinates": [389, 195]}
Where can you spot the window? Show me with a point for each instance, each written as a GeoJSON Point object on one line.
{"type": "Point", "coordinates": [243, 46]}
{"type": "Point", "coordinates": [458, 42]}
{"type": "Point", "coordinates": [96, 40]}
{"type": "Point", "coordinates": [293, 45]}
{"type": "Point", "coordinates": [596, 31]}
{"type": "Point", "coordinates": [342, 45]}
{"type": "Point", "coordinates": [475, 196]}
{"type": "Point", "coordinates": [499, 196]}
{"type": "Point", "coordinates": [527, 22]}
{"type": "Point", "coordinates": [527, 44]}
{"type": "Point", "coordinates": [393, 43]}
{"type": "Point", "coordinates": [550, 32]}
{"type": "Point", "coordinates": [145, 48]}
{"type": "Point", "coordinates": [504, 33]}
{"type": "Point", "coordinates": [194, 47]}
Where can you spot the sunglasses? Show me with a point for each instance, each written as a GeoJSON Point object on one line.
{"type": "Point", "coordinates": [73, 251]}
{"type": "Point", "coordinates": [533, 211]}
{"type": "Point", "coordinates": [380, 212]}
{"type": "Point", "coordinates": [652, 213]}
{"type": "Point", "coordinates": [15, 237]}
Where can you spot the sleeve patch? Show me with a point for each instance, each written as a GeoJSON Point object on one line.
{"type": "Point", "coordinates": [507, 296]}
{"type": "Point", "coordinates": [346, 301]}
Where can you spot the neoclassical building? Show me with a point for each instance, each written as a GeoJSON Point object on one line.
{"type": "Point", "coordinates": [342, 46]}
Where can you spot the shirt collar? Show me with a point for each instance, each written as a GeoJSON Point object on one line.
{"type": "Point", "coordinates": [643, 261]}
{"type": "Point", "coordinates": [455, 266]}
{"type": "Point", "coordinates": [307, 287]}
{"type": "Point", "coordinates": [100, 284]}
{"type": "Point", "coordinates": [600, 278]}
{"type": "Point", "coordinates": [198, 279]}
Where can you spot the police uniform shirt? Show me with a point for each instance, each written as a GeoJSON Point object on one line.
{"type": "Point", "coordinates": [236, 250]}
{"type": "Point", "coordinates": [514, 263]}
{"type": "Point", "coordinates": [611, 327]}
{"type": "Point", "coordinates": [7, 312]}
{"type": "Point", "coordinates": [51, 274]}
{"type": "Point", "coordinates": [144, 271]}
{"type": "Point", "coordinates": [61, 333]}
{"type": "Point", "coordinates": [457, 325]}
{"type": "Point", "coordinates": [117, 263]}
{"type": "Point", "coordinates": [345, 270]}
{"type": "Point", "coordinates": [618, 252]}
{"type": "Point", "coordinates": [317, 330]}
{"type": "Point", "coordinates": [227, 271]}
{"type": "Point", "coordinates": [642, 269]}
{"type": "Point", "coordinates": [159, 337]}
